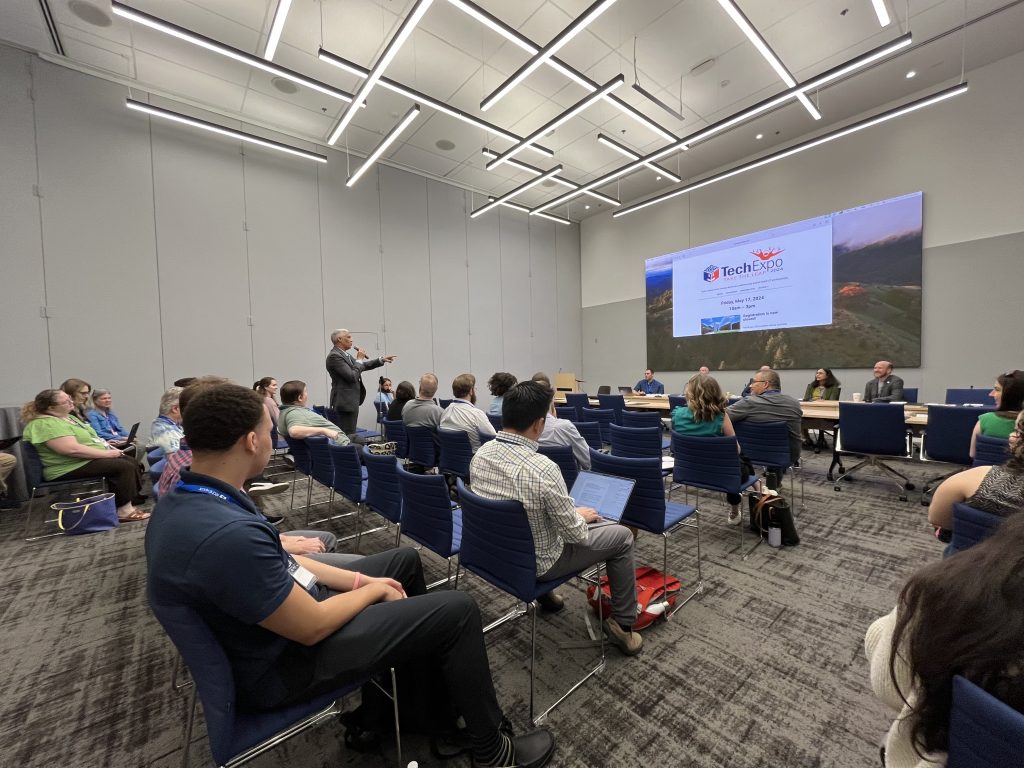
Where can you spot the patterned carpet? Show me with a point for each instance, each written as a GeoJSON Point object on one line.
{"type": "Point", "coordinates": [765, 669]}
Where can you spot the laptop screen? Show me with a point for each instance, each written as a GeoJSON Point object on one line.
{"type": "Point", "coordinates": [605, 493]}
{"type": "Point", "coordinates": [625, 390]}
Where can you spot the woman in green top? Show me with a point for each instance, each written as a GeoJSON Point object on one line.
{"type": "Point", "coordinates": [824, 386]}
{"type": "Point", "coordinates": [1008, 393]}
{"type": "Point", "coordinates": [704, 416]}
{"type": "Point", "coordinates": [71, 450]}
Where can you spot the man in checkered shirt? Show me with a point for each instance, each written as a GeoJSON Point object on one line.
{"type": "Point", "coordinates": [566, 538]}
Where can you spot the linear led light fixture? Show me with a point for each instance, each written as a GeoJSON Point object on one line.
{"type": "Point", "coordinates": [622, 149]}
{"type": "Point", "coordinates": [730, 7]}
{"type": "Point", "coordinates": [545, 53]}
{"type": "Point", "coordinates": [927, 101]}
{"type": "Point", "coordinates": [494, 23]}
{"type": "Point", "coordinates": [276, 28]}
{"type": "Point", "coordinates": [390, 51]}
{"type": "Point", "coordinates": [881, 12]}
{"type": "Point", "coordinates": [422, 98]}
{"type": "Point", "coordinates": [224, 50]}
{"type": "Point", "coordinates": [570, 113]}
{"type": "Point", "coordinates": [195, 122]}
{"type": "Point", "coordinates": [526, 209]}
{"type": "Point", "coordinates": [388, 140]}
{"type": "Point", "coordinates": [517, 191]}
{"type": "Point", "coordinates": [560, 179]}
{"type": "Point", "coordinates": [858, 62]}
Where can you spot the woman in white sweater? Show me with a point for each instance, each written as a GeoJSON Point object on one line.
{"type": "Point", "coordinates": [960, 616]}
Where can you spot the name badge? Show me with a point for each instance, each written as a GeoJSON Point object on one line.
{"type": "Point", "coordinates": [303, 577]}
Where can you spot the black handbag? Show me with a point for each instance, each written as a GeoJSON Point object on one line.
{"type": "Point", "coordinates": [771, 511]}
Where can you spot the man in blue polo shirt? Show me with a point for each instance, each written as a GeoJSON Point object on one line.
{"type": "Point", "coordinates": [294, 628]}
{"type": "Point", "coordinates": [649, 385]}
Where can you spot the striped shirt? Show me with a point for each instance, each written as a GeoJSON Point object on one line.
{"type": "Point", "coordinates": [509, 467]}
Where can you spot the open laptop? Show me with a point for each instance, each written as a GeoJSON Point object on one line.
{"type": "Point", "coordinates": [605, 493]}
{"type": "Point", "coordinates": [131, 435]}
{"type": "Point", "coordinates": [625, 390]}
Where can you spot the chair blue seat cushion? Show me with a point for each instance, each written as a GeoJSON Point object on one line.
{"type": "Point", "coordinates": [676, 513]}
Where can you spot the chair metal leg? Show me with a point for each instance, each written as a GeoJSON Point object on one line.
{"type": "Point", "coordinates": [875, 461]}
{"type": "Point", "coordinates": [295, 476]}
{"type": "Point", "coordinates": [398, 729]}
{"type": "Point", "coordinates": [186, 742]}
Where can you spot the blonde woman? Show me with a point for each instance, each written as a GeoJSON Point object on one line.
{"type": "Point", "coordinates": [704, 416]}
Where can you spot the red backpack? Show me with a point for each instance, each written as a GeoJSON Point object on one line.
{"type": "Point", "coordinates": [650, 588]}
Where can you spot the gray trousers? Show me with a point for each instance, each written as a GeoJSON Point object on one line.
{"type": "Point", "coordinates": [329, 539]}
{"type": "Point", "coordinates": [612, 544]}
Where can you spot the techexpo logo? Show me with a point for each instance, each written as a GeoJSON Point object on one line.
{"type": "Point", "coordinates": [771, 253]}
{"type": "Point", "coordinates": [711, 273]}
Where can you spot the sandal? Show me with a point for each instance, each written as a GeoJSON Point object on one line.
{"type": "Point", "coordinates": [133, 517]}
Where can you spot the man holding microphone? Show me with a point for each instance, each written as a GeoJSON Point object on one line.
{"type": "Point", "coordinates": [347, 390]}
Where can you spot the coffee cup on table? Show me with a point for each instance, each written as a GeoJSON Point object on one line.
{"type": "Point", "coordinates": [857, 396]}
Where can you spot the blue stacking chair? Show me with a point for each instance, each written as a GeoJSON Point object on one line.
{"type": "Point", "coordinates": [640, 442]}
{"type": "Point", "coordinates": [591, 432]}
{"type": "Point", "coordinates": [485, 438]}
{"type": "Point", "coordinates": [422, 446]}
{"type": "Point", "coordinates": [605, 417]}
{"type": "Point", "coordinates": [676, 401]}
{"type": "Point", "coordinates": [382, 411]}
{"type": "Point", "coordinates": [984, 732]}
{"type": "Point", "coordinates": [497, 546]}
{"type": "Point", "coordinates": [648, 510]}
{"type": "Point", "coordinates": [350, 482]}
{"type": "Point", "coordinates": [577, 400]}
{"type": "Point", "coordinates": [563, 456]}
{"type": "Point", "coordinates": [153, 455]}
{"type": "Point", "coordinates": [383, 494]}
{"type": "Point", "coordinates": [394, 429]}
{"type": "Point", "coordinates": [616, 403]}
{"type": "Point", "coordinates": [874, 431]}
{"type": "Point", "coordinates": [766, 445]}
{"type": "Point", "coordinates": [456, 453]}
{"type": "Point", "coordinates": [567, 412]}
{"type": "Point", "coordinates": [495, 420]}
{"type": "Point", "coordinates": [969, 396]}
{"type": "Point", "coordinates": [444, 403]}
{"type": "Point", "coordinates": [970, 526]}
{"type": "Point", "coordinates": [990, 451]}
{"type": "Point", "coordinates": [641, 419]}
{"type": "Point", "coordinates": [710, 464]}
{"type": "Point", "coordinates": [321, 469]}
{"type": "Point", "coordinates": [431, 518]}
{"type": "Point", "coordinates": [301, 463]}
{"type": "Point", "coordinates": [34, 475]}
{"type": "Point", "coordinates": [910, 394]}
{"type": "Point", "coordinates": [237, 737]}
{"type": "Point", "coordinates": [948, 440]}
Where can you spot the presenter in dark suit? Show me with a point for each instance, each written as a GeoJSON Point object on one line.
{"type": "Point", "coordinates": [347, 390]}
{"type": "Point", "coordinates": [885, 387]}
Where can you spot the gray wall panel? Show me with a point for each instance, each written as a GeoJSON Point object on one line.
{"type": "Point", "coordinates": [486, 352]}
{"type": "Point", "coordinates": [516, 323]}
{"type": "Point", "coordinates": [543, 297]}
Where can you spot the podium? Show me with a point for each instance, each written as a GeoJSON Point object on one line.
{"type": "Point", "coordinates": [566, 382]}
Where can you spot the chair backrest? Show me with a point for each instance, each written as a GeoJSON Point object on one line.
{"type": "Point", "coordinates": [964, 396]}
{"type": "Point", "coordinates": [635, 442]}
{"type": "Point", "coordinates": [989, 451]}
{"type": "Point", "coordinates": [567, 412]}
{"type": "Point", "coordinates": [577, 400]}
{"type": "Point", "coordinates": [382, 411]}
{"type": "Point", "coordinates": [646, 506]}
{"type": "Point", "coordinates": [348, 472]}
{"type": "Point", "coordinates": [676, 401]}
{"type": "Point", "coordinates": [562, 456]}
{"type": "Point", "coordinates": [394, 429]}
{"type": "Point", "coordinates": [383, 494]}
{"type": "Point", "coordinates": [154, 455]}
{"type": "Point", "coordinates": [910, 394]}
{"type": "Point", "coordinates": [321, 465]}
{"type": "Point", "coordinates": [495, 419]}
{"type": "Point", "coordinates": [984, 732]}
{"type": "Point", "coordinates": [616, 403]}
{"type": "Point", "coordinates": [970, 526]}
{"type": "Point", "coordinates": [948, 436]}
{"type": "Point", "coordinates": [591, 432]}
{"type": "Point", "coordinates": [456, 452]}
{"type": "Point", "coordinates": [878, 429]}
{"type": "Point", "coordinates": [156, 470]}
{"type": "Point", "coordinates": [641, 419]}
{"type": "Point", "coordinates": [765, 444]}
{"type": "Point", "coordinates": [712, 463]}
{"type": "Point", "coordinates": [605, 417]}
{"type": "Point", "coordinates": [300, 453]}
{"type": "Point", "coordinates": [33, 465]}
{"type": "Point", "coordinates": [444, 402]}
{"type": "Point", "coordinates": [497, 543]}
{"type": "Point", "coordinates": [422, 446]}
{"type": "Point", "coordinates": [427, 511]}
{"type": "Point", "coordinates": [604, 389]}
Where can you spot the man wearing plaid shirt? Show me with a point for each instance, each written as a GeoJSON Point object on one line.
{"type": "Point", "coordinates": [566, 538]}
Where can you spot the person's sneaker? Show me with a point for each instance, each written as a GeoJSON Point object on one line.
{"type": "Point", "coordinates": [267, 489]}
{"type": "Point", "coordinates": [735, 516]}
{"type": "Point", "coordinates": [529, 750]}
{"type": "Point", "coordinates": [272, 518]}
{"type": "Point", "coordinates": [629, 643]}
{"type": "Point", "coordinates": [551, 602]}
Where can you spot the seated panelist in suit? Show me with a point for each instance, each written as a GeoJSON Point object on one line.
{"type": "Point", "coordinates": [885, 387]}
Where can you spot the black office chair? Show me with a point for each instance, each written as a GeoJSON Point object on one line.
{"type": "Point", "coordinates": [948, 441]}
{"type": "Point", "coordinates": [874, 431]}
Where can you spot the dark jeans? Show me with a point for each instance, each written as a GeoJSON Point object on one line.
{"type": "Point", "coordinates": [420, 636]}
{"type": "Point", "coordinates": [122, 472]}
{"type": "Point", "coordinates": [347, 421]}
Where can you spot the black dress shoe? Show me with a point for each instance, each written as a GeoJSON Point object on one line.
{"type": "Point", "coordinates": [533, 749]}
{"type": "Point", "coordinates": [552, 602]}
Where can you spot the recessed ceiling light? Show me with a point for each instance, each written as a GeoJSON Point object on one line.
{"type": "Point", "coordinates": [759, 136]}
{"type": "Point", "coordinates": [284, 86]}
{"type": "Point", "coordinates": [724, 83]}
{"type": "Point", "coordinates": [658, 179]}
{"type": "Point", "coordinates": [547, 183]}
{"type": "Point", "coordinates": [445, 144]}
{"type": "Point", "coordinates": [910, 74]}
{"type": "Point", "coordinates": [90, 13]}
{"type": "Point", "coordinates": [586, 207]}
